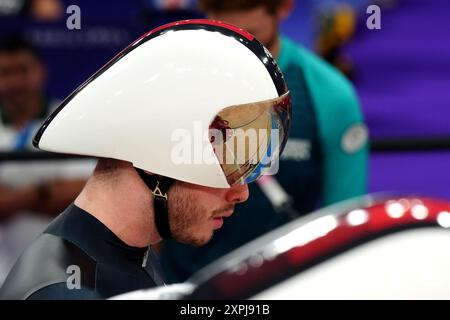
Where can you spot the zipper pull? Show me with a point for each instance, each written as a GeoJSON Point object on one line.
{"type": "Point", "coordinates": [144, 260]}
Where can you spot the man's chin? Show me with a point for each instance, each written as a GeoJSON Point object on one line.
{"type": "Point", "coordinates": [195, 241]}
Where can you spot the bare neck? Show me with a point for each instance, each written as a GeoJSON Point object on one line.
{"type": "Point", "coordinates": [123, 204]}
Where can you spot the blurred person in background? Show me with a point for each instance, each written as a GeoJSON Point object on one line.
{"type": "Point", "coordinates": [23, 102]}
{"type": "Point", "coordinates": [168, 9]}
{"type": "Point", "coordinates": [30, 192]}
{"type": "Point", "coordinates": [154, 13]}
{"type": "Point", "coordinates": [336, 27]}
{"type": "Point", "coordinates": [325, 159]}
{"type": "Point", "coordinates": [40, 10]}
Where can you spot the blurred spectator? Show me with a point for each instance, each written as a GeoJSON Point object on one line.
{"type": "Point", "coordinates": [336, 27]}
{"type": "Point", "coordinates": [325, 159]}
{"type": "Point", "coordinates": [159, 12]}
{"type": "Point", "coordinates": [335, 24]}
{"type": "Point", "coordinates": [23, 103]}
{"type": "Point", "coordinates": [23, 107]}
{"type": "Point", "coordinates": [170, 5]}
{"type": "Point", "coordinates": [28, 188]}
{"type": "Point", "coordinates": [41, 10]}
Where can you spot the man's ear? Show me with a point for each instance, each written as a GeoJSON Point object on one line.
{"type": "Point", "coordinates": [284, 9]}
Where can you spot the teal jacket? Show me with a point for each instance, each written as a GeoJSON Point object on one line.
{"type": "Point", "coordinates": [342, 135]}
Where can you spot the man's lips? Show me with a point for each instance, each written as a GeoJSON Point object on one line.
{"type": "Point", "coordinates": [224, 214]}
{"type": "Point", "coordinates": [227, 213]}
{"type": "Point", "coordinates": [218, 219]}
{"type": "Point", "coordinates": [218, 222]}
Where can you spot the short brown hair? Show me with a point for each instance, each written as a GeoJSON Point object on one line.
{"type": "Point", "coordinates": [229, 5]}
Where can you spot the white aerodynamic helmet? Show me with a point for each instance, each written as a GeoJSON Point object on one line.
{"type": "Point", "coordinates": [176, 83]}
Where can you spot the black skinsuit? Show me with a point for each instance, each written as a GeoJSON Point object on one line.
{"type": "Point", "coordinates": [76, 240]}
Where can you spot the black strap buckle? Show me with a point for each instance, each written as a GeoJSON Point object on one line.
{"type": "Point", "coordinates": [159, 189]}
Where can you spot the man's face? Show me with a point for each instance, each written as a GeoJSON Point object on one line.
{"type": "Point", "coordinates": [22, 77]}
{"type": "Point", "coordinates": [257, 21]}
{"type": "Point", "coordinates": [196, 211]}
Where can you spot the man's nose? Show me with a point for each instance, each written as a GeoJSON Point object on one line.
{"type": "Point", "coordinates": [238, 193]}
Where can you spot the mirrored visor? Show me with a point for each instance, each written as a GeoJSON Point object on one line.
{"type": "Point", "coordinates": [248, 139]}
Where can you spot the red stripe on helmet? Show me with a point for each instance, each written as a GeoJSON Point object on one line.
{"type": "Point", "coordinates": [216, 23]}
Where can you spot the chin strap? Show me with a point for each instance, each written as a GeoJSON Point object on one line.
{"type": "Point", "coordinates": [159, 188]}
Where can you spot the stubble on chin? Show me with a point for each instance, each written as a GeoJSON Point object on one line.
{"type": "Point", "coordinates": [185, 215]}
